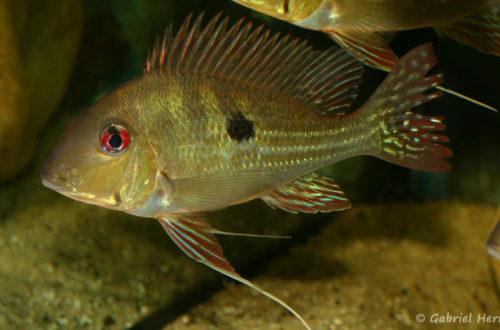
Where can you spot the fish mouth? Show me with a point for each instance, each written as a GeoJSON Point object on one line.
{"type": "Point", "coordinates": [57, 184]}
{"type": "Point", "coordinates": [61, 186]}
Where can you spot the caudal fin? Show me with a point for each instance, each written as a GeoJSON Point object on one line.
{"type": "Point", "coordinates": [401, 136]}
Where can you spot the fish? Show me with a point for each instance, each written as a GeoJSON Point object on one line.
{"type": "Point", "coordinates": [493, 243]}
{"type": "Point", "coordinates": [223, 114]}
{"type": "Point", "coordinates": [366, 27]}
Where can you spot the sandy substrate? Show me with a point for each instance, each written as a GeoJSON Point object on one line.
{"type": "Point", "coordinates": [374, 267]}
{"type": "Point", "coordinates": [65, 264]}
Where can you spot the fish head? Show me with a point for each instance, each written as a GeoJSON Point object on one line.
{"type": "Point", "coordinates": [102, 158]}
{"type": "Point", "coordinates": [287, 10]}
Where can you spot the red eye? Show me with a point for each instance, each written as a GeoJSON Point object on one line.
{"type": "Point", "coordinates": [114, 139]}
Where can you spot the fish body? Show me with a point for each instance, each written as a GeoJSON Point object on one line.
{"type": "Point", "coordinates": [257, 137]}
{"type": "Point", "coordinates": [365, 27]}
{"type": "Point", "coordinates": [225, 115]}
{"type": "Point", "coordinates": [363, 15]}
{"type": "Point", "coordinates": [493, 243]}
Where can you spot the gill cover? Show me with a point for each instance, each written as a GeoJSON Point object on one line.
{"type": "Point", "coordinates": [102, 159]}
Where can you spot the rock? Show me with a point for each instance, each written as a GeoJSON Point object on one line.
{"type": "Point", "coordinates": [375, 266]}
{"type": "Point", "coordinates": [38, 45]}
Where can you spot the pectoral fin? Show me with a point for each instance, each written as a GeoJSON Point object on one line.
{"type": "Point", "coordinates": [370, 48]}
{"type": "Point", "coordinates": [309, 194]}
{"type": "Point", "coordinates": [194, 236]}
{"type": "Point", "coordinates": [480, 30]}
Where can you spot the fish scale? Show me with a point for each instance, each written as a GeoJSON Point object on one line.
{"type": "Point", "coordinates": [223, 115]}
{"type": "Point", "coordinates": [305, 141]}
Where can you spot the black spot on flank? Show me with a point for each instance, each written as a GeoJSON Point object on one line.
{"type": "Point", "coordinates": [239, 128]}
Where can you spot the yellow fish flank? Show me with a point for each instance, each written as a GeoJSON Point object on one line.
{"type": "Point", "coordinates": [223, 115]}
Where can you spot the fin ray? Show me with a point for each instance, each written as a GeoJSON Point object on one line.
{"type": "Point", "coordinates": [194, 236]}
{"type": "Point", "coordinates": [480, 30]}
{"type": "Point", "coordinates": [328, 81]}
{"type": "Point", "coordinates": [229, 233]}
{"type": "Point", "coordinates": [370, 48]}
{"type": "Point", "coordinates": [311, 193]}
{"type": "Point", "coordinates": [404, 137]}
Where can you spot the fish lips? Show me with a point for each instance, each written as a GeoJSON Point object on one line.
{"type": "Point", "coordinates": [53, 178]}
{"type": "Point", "coordinates": [52, 184]}
{"type": "Point", "coordinates": [60, 186]}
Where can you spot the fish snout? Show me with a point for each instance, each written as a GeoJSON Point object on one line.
{"type": "Point", "coordinates": [53, 181]}
{"type": "Point", "coordinates": [50, 178]}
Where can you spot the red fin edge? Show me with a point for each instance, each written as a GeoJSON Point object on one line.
{"type": "Point", "coordinates": [195, 237]}
{"type": "Point", "coordinates": [311, 193]}
{"type": "Point", "coordinates": [368, 47]}
{"type": "Point", "coordinates": [480, 30]}
{"type": "Point", "coordinates": [405, 138]}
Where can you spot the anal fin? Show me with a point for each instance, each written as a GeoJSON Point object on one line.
{"type": "Point", "coordinates": [480, 30]}
{"type": "Point", "coordinates": [370, 48]}
{"type": "Point", "coordinates": [195, 237]}
{"type": "Point", "coordinates": [311, 193]}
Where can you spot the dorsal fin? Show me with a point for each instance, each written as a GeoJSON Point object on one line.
{"type": "Point", "coordinates": [327, 80]}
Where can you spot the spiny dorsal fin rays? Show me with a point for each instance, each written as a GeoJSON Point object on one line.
{"type": "Point", "coordinates": [188, 45]}
{"type": "Point", "coordinates": [157, 56]}
{"type": "Point", "coordinates": [234, 48]}
{"type": "Point", "coordinates": [255, 40]}
{"type": "Point", "coordinates": [217, 49]}
{"type": "Point", "coordinates": [257, 58]}
{"type": "Point", "coordinates": [285, 56]}
{"type": "Point", "coordinates": [169, 37]}
{"type": "Point", "coordinates": [262, 56]}
{"type": "Point", "coordinates": [199, 42]}
{"type": "Point", "coordinates": [232, 37]}
{"type": "Point", "coordinates": [176, 57]}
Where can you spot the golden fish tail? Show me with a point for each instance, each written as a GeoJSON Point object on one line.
{"type": "Point", "coordinates": [401, 136]}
